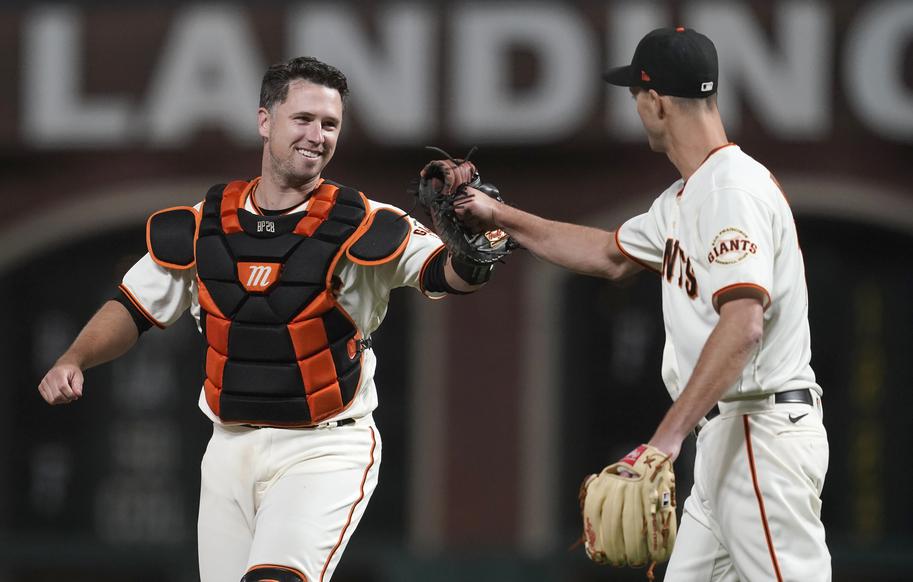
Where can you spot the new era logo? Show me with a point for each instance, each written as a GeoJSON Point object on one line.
{"type": "Point", "coordinates": [708, 86]}
{"type": "Point", "coordinates": [258, 277]}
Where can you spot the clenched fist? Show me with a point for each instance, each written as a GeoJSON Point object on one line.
{"type": "Point", "coordinates": [62, 384]}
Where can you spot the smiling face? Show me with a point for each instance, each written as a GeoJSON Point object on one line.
{"type": "Point", "coordinates": [300, 133]}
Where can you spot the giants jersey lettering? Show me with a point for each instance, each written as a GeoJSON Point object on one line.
{"type": "Point", "coordinates": [675, 260]}
{"type": "Point", "coordinates": [728, 226]}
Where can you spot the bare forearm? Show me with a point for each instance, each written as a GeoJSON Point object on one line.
{"type": "Point", "coordinates": [582, 249]}
{"type": "Point", "coordinates": [720, 364]}
{"type": "Point", "coordinates": [108, 335]}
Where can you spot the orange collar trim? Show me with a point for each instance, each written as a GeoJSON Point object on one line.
{"type": "Point", "coordinates": [713, 151]}
{"type": "Point", "coordinates": [252, 188]}
{"type": "Point", "coordinates": [249, 192]}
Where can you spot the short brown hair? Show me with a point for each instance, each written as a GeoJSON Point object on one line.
{"type": "Point", "coordinates": [274, 88]}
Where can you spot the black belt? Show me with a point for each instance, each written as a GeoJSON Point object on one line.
{"type": "Point", "coordinates": [329, 424]}
{"type": "Point", "coordinates": [801, 396]}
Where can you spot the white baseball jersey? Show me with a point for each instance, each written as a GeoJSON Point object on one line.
{"type": "Point", "coordinates": [728, 226]}
{"type": "Point", "coordinates": [754, 512]}
{"type": "Point", "coordinates": [164, 294]}
{"type": "Point", "coordinates": [288, 499]}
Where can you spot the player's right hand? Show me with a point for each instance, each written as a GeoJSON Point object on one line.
{"type": "Point", "coordinates": [62, 384]}
{"type": "Point", "coordinates": [476, 210]}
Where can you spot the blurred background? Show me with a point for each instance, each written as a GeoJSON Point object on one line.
{"type": "Point", "coordinates": [493, 406]}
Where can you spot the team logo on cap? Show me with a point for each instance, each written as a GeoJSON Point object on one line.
{"type": "Point", "coordinates": [644, 76]}
{"type": "Point", "coordinates": [707, 86]}
{"type": "Point", "coordinates": [731, 246]}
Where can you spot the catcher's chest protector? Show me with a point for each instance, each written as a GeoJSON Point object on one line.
{"type": "Point", "coordinates": [280, 350]}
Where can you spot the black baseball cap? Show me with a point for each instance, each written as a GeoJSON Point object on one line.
{"type": "Point", "coordinates": [672, 61]}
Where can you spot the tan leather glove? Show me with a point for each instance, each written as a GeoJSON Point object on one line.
{"type": "Point", "coordinates": [629, 510]}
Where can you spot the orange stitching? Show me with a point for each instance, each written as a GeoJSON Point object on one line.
{"type": "Point", "coordinates": [361, 496]}
{"type": "Point", "coordinates": [757, 492]}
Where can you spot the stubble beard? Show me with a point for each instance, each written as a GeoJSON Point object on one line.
{"type": "Point", "coordinates": [285, 173]}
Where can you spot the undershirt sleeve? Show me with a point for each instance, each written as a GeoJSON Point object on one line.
{"type": "Point", "coordinates": [139, 318]}
{"type": "Point", "coordinates": [160, 294]}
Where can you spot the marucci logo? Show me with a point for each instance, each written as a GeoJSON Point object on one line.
{"type": "Point", "coordinates": [258, 277]}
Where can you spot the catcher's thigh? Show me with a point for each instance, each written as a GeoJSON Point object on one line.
{"type": "Point", "coordinates": [285, 497]}
{"type": "Point", "coordinates": [224, 527]}
{"type": "Point", "coordinates": [307, 515]}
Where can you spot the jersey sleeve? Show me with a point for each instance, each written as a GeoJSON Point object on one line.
{"type": "Point", "coordinates": [423, 245]}
{"type": "Point", "coordinates": [159, 293]}
{"type": "Point", "coordinates": [736, 230]}
{"type": "Point", "coordinates": [642, 238]}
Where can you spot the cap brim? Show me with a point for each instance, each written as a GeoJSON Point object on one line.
{"type": "Point", "coordinates": [621, 76]}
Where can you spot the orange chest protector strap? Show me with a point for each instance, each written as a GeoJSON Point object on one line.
{"type": "Point", "coordinates": [281, 350]}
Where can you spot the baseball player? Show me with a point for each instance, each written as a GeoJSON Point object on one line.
{"type": "Point", "coordinates": [287, 276]}
{"type": "Point", "coordinates": [737, 356]}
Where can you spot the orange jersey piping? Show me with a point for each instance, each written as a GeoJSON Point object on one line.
{"type": "Point", "coordinates": [253, 200]}
{"type": "Point", "coordinates": [631, 257]}
{"type": "Point", "coordinates": [421, 273]}
{"type": "Point", "coordinates": [140, 307]}
{"type": "Point", "coordinates": [367, 226]}
{"type": "Point", "coordinates": [361, 495]}
{"type": "Point", "coordinates": [727, 288]}
{"type": "Point", "coordinates": [713, 151]}
{"type": "Point", "coordinates": [760, 497]}
{"type": "Point", "coordinates": [298, 573]}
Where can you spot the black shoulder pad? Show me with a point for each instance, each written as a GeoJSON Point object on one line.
{"type": "Point", "coordinates": [170, 235]}
{"type": "Point", "coordinates": [383, 240]}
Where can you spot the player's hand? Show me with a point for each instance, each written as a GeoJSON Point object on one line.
{"type": "Point", "coordinates": [62, 384]}
{"type": "Point", "coordinates": [671, 447]}
{"type": "Point", "coordinates": [670, 450]}
{"type": "Point", "coordinates": [477, 210]}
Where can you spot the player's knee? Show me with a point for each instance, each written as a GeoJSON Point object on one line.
{"type": "Point", "coordinates": [273, 573]}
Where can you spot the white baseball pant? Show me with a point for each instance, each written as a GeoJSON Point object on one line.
{"type": "Point", "coordinates": [754, 512]}
{"type": "Point", "coordinates": [284, 497]}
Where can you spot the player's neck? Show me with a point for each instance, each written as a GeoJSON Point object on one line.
{"type": "Point", "coordinates": [692, 141]}
{"type": "Point", "coordinates": [273, 194]}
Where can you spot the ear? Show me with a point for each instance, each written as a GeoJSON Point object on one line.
{"type": "Point", "coordinates": [263, 122]}
{"type": "Point", "coordinates": [658, 104]}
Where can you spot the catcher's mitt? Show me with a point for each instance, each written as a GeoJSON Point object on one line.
{"type": "Point", "coordinates": [442, 184]}
{"type": "Point", "coordinates": [629, 510]}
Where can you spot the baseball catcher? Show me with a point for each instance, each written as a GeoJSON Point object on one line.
{"type": "Point", "coordinates": [442, 185]}
{"type": "Point", "coordinates": [629, 510]}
